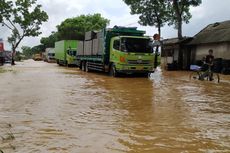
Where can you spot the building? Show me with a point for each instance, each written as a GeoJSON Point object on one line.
{"type": "Point", "coordinates": [215, 36]}
{"type": "Point", "coordinates": [180, 54]}
{"type": "Point", "coordinates": [175, 54]}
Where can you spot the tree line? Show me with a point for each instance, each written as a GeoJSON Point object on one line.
{"type": "Point", "coordinates": [69, 29]}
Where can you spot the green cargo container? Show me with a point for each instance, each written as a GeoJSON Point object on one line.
{"type": "Point", "coordinates": [65, 52]}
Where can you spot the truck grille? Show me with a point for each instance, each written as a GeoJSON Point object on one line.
{"type": "Point", "coordinates": [139, 62]}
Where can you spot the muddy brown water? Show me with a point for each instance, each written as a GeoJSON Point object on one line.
{"type": "Point", "coordinates": [46, 108]}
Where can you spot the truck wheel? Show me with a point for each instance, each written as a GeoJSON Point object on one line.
{"type": "Point", "coordinates": [113, 71]}
{"type": "Point", "coordinates": [83, 66]}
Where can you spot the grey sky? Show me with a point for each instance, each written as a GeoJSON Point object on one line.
{"type": "Point", "coordinates": [118, 13]}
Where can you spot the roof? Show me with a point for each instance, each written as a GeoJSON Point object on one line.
{"type": "Point", "coordinates": [213, 33]}
{"type": "Point", "coordinates": [173, 41]}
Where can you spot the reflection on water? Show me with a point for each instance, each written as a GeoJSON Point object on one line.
{"type": "Point", "coordinates": [55, 109]}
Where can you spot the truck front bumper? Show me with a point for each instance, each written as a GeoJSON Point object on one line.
{"type": "Point", "coordinates": [134, 68]}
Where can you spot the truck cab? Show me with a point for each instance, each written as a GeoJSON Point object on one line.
{"type": "Point", "coordinates": [130, 54]}
{"type": "Point", "coordinates": [130, 51]}
{"type": "Point", "coordinates": [71, 56]}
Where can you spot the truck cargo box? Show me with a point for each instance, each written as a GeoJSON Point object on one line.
{"type": "Point", "coordinates": [100, 34]}
{"type": "Point", "coordinates": [80, 48]}
{"type": "Point", "coordinates": [97, 46]}
{"type": "Point", "coordinates": [90, 35]}
{"type": "Point", "coordinates": [88, 47]}
{"type": "Point", "coordinates": [61, 48]}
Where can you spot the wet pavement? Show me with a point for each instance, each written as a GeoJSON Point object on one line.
{"type": "Point", "coordinates": [46, 108]}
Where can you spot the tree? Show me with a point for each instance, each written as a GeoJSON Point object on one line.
{"type": "Point", "coordinates": [74, 28]}
{"type": "Point", "coordinates": [179, 12]}
{"type": "Point", "coordinates": [49, 41]}
{"type": "Point", "coordinates": [38, 49]}
{"type": "Point", "coordinates": [23, 18]}
{"type": "Point", "coordinates": [152, 12]}
{"type": "Point", "coordinates": [27, 52]}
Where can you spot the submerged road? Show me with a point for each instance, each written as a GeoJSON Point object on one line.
{"type": "Point", "coordinates": [46, 108]}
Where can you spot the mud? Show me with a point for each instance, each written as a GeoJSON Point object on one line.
{"type": "Point", "coordinates": [46, 108]}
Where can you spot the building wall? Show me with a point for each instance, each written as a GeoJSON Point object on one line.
{"type": "Point", "coordinates": [220, 50]}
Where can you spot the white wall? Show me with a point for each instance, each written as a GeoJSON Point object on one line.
{"type": "Point", "coordinates": [220, 50]}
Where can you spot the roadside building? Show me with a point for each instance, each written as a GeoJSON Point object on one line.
{"type": "Point", "coordinates": [176, 54]}
{"type": "Point", "coordinates": [180, 54]}
{"type": "Point", "coordinates": [215, 36]}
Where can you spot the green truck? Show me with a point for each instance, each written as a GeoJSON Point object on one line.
{"type": "Point", "coordinates": [65, 52]}
{"type": "Point", "coordinates": [116, 50]}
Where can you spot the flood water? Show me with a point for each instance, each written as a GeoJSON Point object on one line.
{"type": "Point", "coordinates": [46, 108]}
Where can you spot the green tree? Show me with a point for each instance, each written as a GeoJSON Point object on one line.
{"type": "Point", "coordinates": [49, 41]}
{"type": "Point", "coordinates": [74, 28]}
{"type": "Point", "coordinates": [27, 52]}
{"type": "Point", "coordinates": [179, 12]}
{"type": "Point", "coordinates": [23, 18]}
{"type": "Point", "coordinates": [38, 49]}
{"type": "Point", "coordinates": [152, 12]}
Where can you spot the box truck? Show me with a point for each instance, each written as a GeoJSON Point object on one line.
{"type": "Point", "coordinates": [65, 52]}
{"type": "Point", "coordinates": [116, 50]}
{"type": "Point", "coordinates": [49, 55]}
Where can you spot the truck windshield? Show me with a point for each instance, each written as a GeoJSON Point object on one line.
{"type": "Point", "coordinates": [71, 52]}
{"type": "Point", "coordinates": [136, 45]}
{"type": "Point", "coordinates": [51, 54]}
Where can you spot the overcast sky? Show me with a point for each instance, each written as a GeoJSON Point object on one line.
{"type": "Point", "coordinates": [118, 13]}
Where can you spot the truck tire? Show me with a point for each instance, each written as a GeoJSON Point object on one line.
{"type": "Point", "coordinates": [113, 72]}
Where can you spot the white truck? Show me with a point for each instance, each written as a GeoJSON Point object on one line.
{"type": "Point", "coordinates": [49, 55]}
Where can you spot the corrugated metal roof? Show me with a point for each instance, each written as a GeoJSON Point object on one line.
{"type": "Point", "coordinates": [213, 33]}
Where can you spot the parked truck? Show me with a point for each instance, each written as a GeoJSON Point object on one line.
{"type": "Point", "coordinates": [37, 57]}
{"type": "Point", "coordinates": [49, 55]}
{"type": "Point", "coordinates": [65, 52]}
{"type": "Point", "coordinates": [116, 50]}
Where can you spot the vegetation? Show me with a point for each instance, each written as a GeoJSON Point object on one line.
{"type": "Point", "coordinates": [23, 18]}
{"type": "Point", "coordinates": [49, 42]}
{"type": "Point", "coordinates": [158, 12]}
{"type": "Point", "coordinates": [28, 52]}
{"type": "Point", "coordinates": [179, 13]}
{"type": "Point", "coordinates": [153, 13]}
{"type": "Point", "coordinates": [74, 28]}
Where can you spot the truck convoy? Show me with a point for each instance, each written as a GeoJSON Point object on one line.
{"type": "Point", "coordinates": [116, 50]}
{"type": "Point", "coordinates": [65, 52]}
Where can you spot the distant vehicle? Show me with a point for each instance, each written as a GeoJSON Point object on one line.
{"type": "Point", "coordinates": [7, 56]}
{"type": "Point", "coordinates": [65, 52]}
{"type": "Point", "coordinates": [37, 57]}
{"type": "Point", "coordinates": [2, 60]}
{"type": "Point", "coordinates": [49, 55]}
{"type": "Point", "coordinates": [117, 50]}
